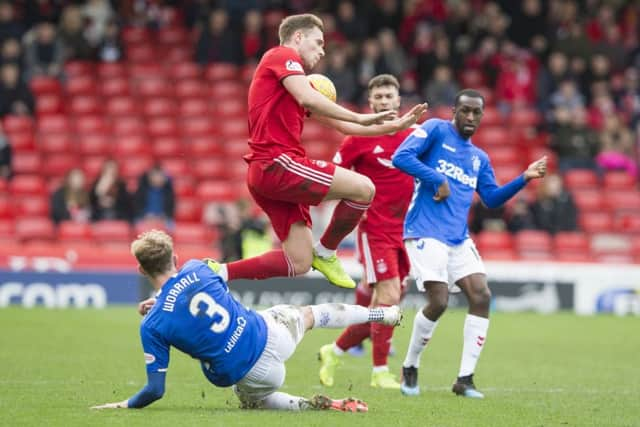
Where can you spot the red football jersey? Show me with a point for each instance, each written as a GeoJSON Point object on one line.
{"type": "Point", "coordinates": [275, 117]}
{"type": "Point", "coordinates": [371, 156]}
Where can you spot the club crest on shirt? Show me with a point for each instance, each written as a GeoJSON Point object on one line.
{"type": "Point", "coordinates": [475, 163]}
{"type": "Point", "coordinates": [320, 163]}
{"type": "Point", "coordinates": [381, 266]}
{"type": "Point", "coordinates": [292, 65]}
{"type": "Point", "coordinates": [149, 358]}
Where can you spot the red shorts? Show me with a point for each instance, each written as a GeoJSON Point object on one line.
{"type": "Point", "coordinates": [285, 187]}
{"type": "Point", "coordinates": [382, 260]}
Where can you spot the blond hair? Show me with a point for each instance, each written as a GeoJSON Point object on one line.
{"type": "Point", "coordinates": [383, 80]}
{"type": "Point", "coordinates": [154, 251]}
{"type": "Point", "coordinates": [293, 23]}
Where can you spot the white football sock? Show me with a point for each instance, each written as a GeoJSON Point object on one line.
{"type": "Point", "coordinates": [475, 334]}
{"type": "Point", "coordinates": [322, 251]}
{"type": "Point", "coordinates": [337, 350]}
{"type": "Point", "coordinates": [284, 401]}
{"type": "Point", "coordinates": [336, 315]}
{"type": "Point", "coordinates": [423, 329]}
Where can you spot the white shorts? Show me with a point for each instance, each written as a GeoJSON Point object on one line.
{"type": "Point", "coordinates": [285, 329]}
{"type": "Point", "coordinates": [434, 261]}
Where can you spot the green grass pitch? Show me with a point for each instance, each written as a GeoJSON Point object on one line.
{"type": "Point", "coordinates": [556, 370]}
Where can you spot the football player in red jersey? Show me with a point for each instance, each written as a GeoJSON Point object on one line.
{"type": "Point", "coordinates": [282, 180]}
{"type": "Point", "coordinates": [380, 243]}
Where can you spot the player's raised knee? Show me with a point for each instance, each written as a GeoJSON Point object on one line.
{"type": "Point", "coordinates": [366, 190]}
{"type": "Point", "coordinates": [302, 263]}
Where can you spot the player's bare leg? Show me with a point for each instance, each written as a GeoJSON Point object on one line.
{"type": "Point", "coordinates": [424, 325]}
{"type": "Point", "coordinates": [355, 192]}
{"type": "Point", "coordinates": [476, 325]}
{"type": "Point", "coordinates": [385, 293]}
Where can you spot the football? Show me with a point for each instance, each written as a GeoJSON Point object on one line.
{"type": "Point", "coordinates": [323, 85]}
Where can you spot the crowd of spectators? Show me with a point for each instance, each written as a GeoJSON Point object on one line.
{"type": "Point", "coordinates": [576, 62]}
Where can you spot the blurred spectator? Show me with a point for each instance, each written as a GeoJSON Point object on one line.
{"type": "Point", "coordinates": [218, 42]}
{"type": "Point", "coordinates": [566, 98]}
{"type": "Point", "coordinates": [109, 197]}
{"type": "Point", "coordinates": [385, 14]}
{"type": "Point", "coordinates": [549, 78]}
{"type": "Point", "coordinates": [99, 15]}
{"type": "Point", "coordinates": [11, 53]}
{"type": "Point", "coordinates": [155, 198]}
{"type": "Point", "coordinates": [72, 36]}
{"type": "Point", "coordinates": [36, 11]}
{"type": "Point", "coordinates": [572, 41]}
{"type": "Point", "coordinates": [395, 60]}
{"type": "Point", "coordinates": [486, 59]}
{"type": "Point", "coordinates": [601, 107]}
{"type": "Point", "coordinates": [516, 80]}
{"type": "Point", "coordinates": [253, 39]}
{"type": "Point", "coordinates": [528, 23]}
{"type": "Point", "coordinates": [485, 219]}
{"type": "Point", "coordinates": [370, 62]}
{"type": "Point", "coordinates": [350, 23]}
{"type": "Point", "coordinates": [554, 209]}
{"type": "Point", "coordinates": [520, 217]}
{"type": "Point", "coordinates": [575, 144]}
{"type": "Point", "coordinates": [110, 48]}
{"type": "Point", "coordinates": [44, 53]}
{"type": "Point", "coordinates": [10, 27]}
{"type": "Point", "coordinates": [5, 157]}
{"type": "Point", "coordinates": [341, 75]}
{"type": "Point", "coordinates": [629, 96]}
{"type": "Point", "coordinates": [70, 202]}
{"type": "Point", "coordinates": [441, 90]}
{"type": "Point", "coordinates": [617, 147]}
{"type": "Point", "coordinates": [427, 63]}
{"type": "Point", "coordinates": [15, 95]}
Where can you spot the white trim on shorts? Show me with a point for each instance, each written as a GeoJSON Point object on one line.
{"type": "Point", "coordinates": [369, 269]}
{"type": "Point", "coordinates": [435, 261]}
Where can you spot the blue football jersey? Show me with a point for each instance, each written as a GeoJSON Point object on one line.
{"type": "Point", "coordinates": [196, 314]}
{"type": "Point", "coordinates": [432, 153]}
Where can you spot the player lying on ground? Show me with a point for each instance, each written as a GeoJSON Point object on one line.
{"type": "Point", "coordinates": [448, 169]}
{"type": "Point", "coordinates": [195, 313]}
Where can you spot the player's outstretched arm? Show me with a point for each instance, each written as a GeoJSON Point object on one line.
{"type": "Point", "coordinates": [494, 196]}
{"type": "Point", "coordinates": [298, 86]}
{"type": "Point", "coordinates": [390, 126]}
{"type": "Point", "coordinates": [151, 392]}
{"type": "Point", "coordinates": [537, 169]}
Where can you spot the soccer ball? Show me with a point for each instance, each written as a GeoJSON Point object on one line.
{"type": "Point", "coordinates": [323, 85]}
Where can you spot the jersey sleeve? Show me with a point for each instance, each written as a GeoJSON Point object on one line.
{"type": "Point", "coordinates": [407, 156]}
{"type": "Point", "coordinates": [348, 153]}
{"type": "Point", "coordinates": [285, 62]}
{"type": "Point", "coordinates": [492, 195]}
{"type": "Point", "coordinates": [156, 351]}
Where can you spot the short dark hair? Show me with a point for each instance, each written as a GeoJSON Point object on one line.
{"type": "Point", "coordinates": [293, 23]}
{"type": "Point", "coordinates": [471, 93]}
{"type": "Point", "coordinates": [383, 80]}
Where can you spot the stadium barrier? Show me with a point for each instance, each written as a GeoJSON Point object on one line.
{"type": "Point", "coordinates": [516, 286]}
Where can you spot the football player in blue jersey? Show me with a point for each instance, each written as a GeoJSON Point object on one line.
{"type": "Point", "coordinates": [448, 169]}
{"type": "Point", "coordinates": [194, 312]}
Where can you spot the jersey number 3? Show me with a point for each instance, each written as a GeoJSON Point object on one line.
{"type": "Point", "coordinates": [212, 308]}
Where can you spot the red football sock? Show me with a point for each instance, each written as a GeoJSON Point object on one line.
{"type": "Point", "coordinates": [271, 264]}
{"type": "Point", "coordinates": [353, 336]}
{"type": "Point", "coordinates": [345, 217]}
{"type": "Point", "coordinates": [381, 341]}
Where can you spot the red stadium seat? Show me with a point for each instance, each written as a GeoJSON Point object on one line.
{"type": "Point", "coordinates": [133, 35]}
{"type": "Point", "coordinates": [588, 200]}
{"type": "Point", "coordinates": [319, 150]}
{"type": "Point", "coordinates": [628, 222]}
{"type": "Point", "coordinates": [580, 179]}
{"type": "Point", "coordinates": [149, 224]}
{"type": "Point", "coordinates": [27, 184]}
{"type": "Point", "coordinates": [159, 107]}
{"type": "Point", "coordinates": [81, 85]}
{"type": "Point", "coordinates": [129, 126]}
{"type": "Point", "coordinates": [184, 186]}
{"type": "Point", "coordinates": [194, 107]}
{"type": "Point", "coordinates": [127, 146]}
{"type": "Point", "coordinates": [571, 241]}
{"type": "Point", "coordinates": [142, 53]}
{"type": "Point", "coordinates": [34, 229]}
{"type": "Point", "coordinates": [191, 88]}
{"type": "Point", "coordinates": [524, 118]}
{"type": "Point", "coordinates": [215, 191]}
{"type": "Point", "coordinates": [197, 127]}
{"type": "Point", "coordinates": [155, 87]}
{"type": "Point", "coordinates": [492, 117]}
{"type": "Point", "coordinates": [73, 231]}
{"type": "Point", "coordinates": [21, 142]}
{"type": "Point", "coordinates": [231, 129]}
{"type": "Point", "coordinates": [121, 106]}
{"type": "Point", "coordinates": [49, 104]}
{"type": "Point", "coordinates": [133, 167]}
{"type": "Point", "coordinates": [85, 105]}
{"type": "Point", "coordinates": [91, 124]}
{"type": "Point", "coordinates": [109, 70]}
{"type": "Point", "coordinates": [471, 77]}
{"type": "Point", "coordinates": [184, 71]}
{"type": "Point", "coordinates": [596, 222]}
{"type": "Point", "coordinates": [178, 54]}
{"type": "Point", "coordinates": [167, 147]}
{"type": "Point", "coordinates": [73, 69]}
{"type": "Point", "coordinates": [209, 168]}
{"type": "Point", "coordinates": [26, 163]}
{"type": "Point", "coordinates": [494, 136]}
{"type": "Point", "coordinates": [115, 86]}
{"type": "Point", "coordinates": [533, 244]}
{"type": "Point", "coordinates": [53, 124]}
{"type": "Point", "coordinates": [7, 233]}
{"type": "Point", "coordinates": [94, 144]}
{"type": "Point", "coordinates": [31, 206]}
{"type": "Point", "coordinates": [111, 231]}
{"type": "Point", "coordinates": [57, 165]}
{"type": "Point", "coordinates": [17, 124]}
{"type": "Point", "coordinates": [140, 72]}
{"type": "Point", "coordinates": [618, 180]}
{"type": "Point", "coordinates": [93, 164]}
{"type": "Point", "coordinates": [188, 209]}
{"type": "Point", "coordinates": [203, 146]}
{"type": "Point", "coordinates": [41, 85]}
{"type": "Point", "coordinates": [228, 90]}
{"type": "Point", "coordinates": [177, 167]}
{"type": "Point", "coordinates": [192, 234]}
{"type": "Point", "coordinates": [494, 240]}
{"type": "Point", "coordinates": [622, 200]}
{"type": "Point", "coordinates": [221, 71]}
{"type": "Point", "coordinates": [162, 127]}
{"type": "Point", "coordinates": [172, 36]}
{"type": "Point", "coordinates": [505, 155]}
{"type": "Point", "coordinates": [7, 208]}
